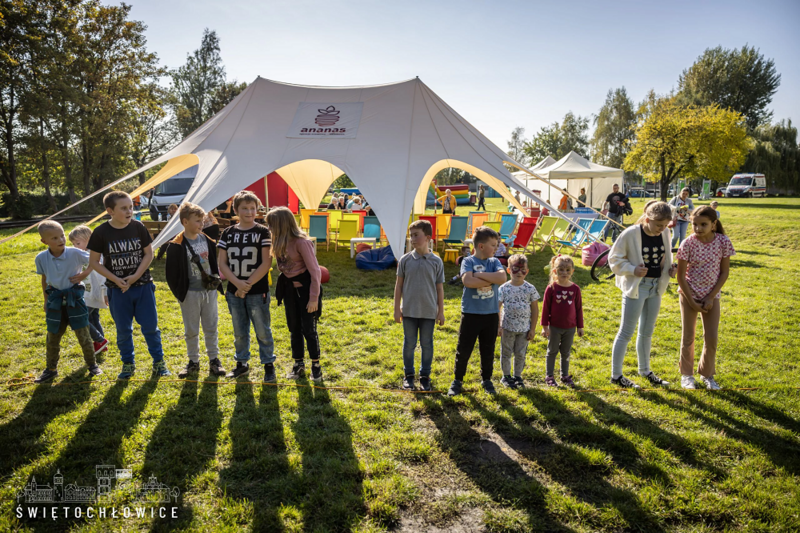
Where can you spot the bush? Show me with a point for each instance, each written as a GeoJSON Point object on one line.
{"type": "Point", "coordinates": [30, 204]}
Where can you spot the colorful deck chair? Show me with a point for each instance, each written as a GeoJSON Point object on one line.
{"type": "Point", "coordinates": [348, 229]}
{"type": "Point", "coordinates": [578, 237]}
{"type": "Point", "coordinates": [318, 227]}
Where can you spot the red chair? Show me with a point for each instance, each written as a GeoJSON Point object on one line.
{"type": "Point", "coordinates": [524, 234]}
{"type": "Point", "coordinates": [432, 220]}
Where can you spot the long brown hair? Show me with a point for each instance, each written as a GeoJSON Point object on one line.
{"type": "Point", "coordinates": [711, 214]}
{"type": "Point", "coordinates": [284, 229]}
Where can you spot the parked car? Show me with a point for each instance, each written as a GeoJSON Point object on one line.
{"type": "Point", "coordinates": [172, 191]}
{"type": "Point", "coordinates": [747, 186]}
{"type": "Point", "coordinates": [639, 192]}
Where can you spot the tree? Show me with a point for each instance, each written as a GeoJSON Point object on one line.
{"type": "Point", "coordinates": [675, 140]}
{"type": "Point", "coordinates": [776, 155]}
{"type": "Point", "coordinates": [614, 129]}
{"type": "Point", "coordinates": [740, 80]}
{"type": "Point", "coordinates": [153, 133]}
{"type": "Point", "coordinates": [557, 140]}
{"type": "Point", "coordinates": [195, 83]}
{"type": "Point", "coordinates": [516, 146]}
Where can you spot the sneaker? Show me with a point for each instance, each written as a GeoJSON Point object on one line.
{"type": "Point", "coordinates": [519, 382]}
{"type": "Point", "coordinates": [47, 375]}
{"type": "Point", "coordinates": [455, 280]}
{"type": "Point", "coordinates": [316, 371]}
{"type": "Point", "coordinates": [455, 388]}
{"type": "Point", "coordinates": [711, 384]}
{"type": "Point", "coordinates": [94, 370]}
{"type": "Point", "coordinates": [567, 380]}
{"type": "Point", "coordinates": [160, 369]}
{"type": "Point", "coordinates": [425, 383]}
{"type": "Point", "coordinates": [215, 367]}
{"type": "Point", "coordinates": [550, 380]}
{"type": "Point", "coordinates": [190, 368]}
{"type": "Point", "coordinates": [100, 346]}
{"type": "Point", "coordinates": [655, 380]}
{"type": "Point", "coordinates": [127, 371]}
{"type": "Point", "coordinates": [488, 386]}
{"type": "Point", "coordinates": [688, 382]}
{"type": "Point", "coordinates": [625, 383]}
{"type": "Point", "coordinates": [269, 373]}
{"type": "Point", "coordinates": [408, 383]}
{"type": "Point", "coordinates": [298, 370]}
{"type": "Point", "coordinates": [508, 381]}
{"type": "Point", "coordinates": [240, 370]}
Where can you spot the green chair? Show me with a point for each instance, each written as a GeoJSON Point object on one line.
{"type": "Point", "coordinates": [542, 233]}
{"type": "Point", "coordinates": [560, 232]}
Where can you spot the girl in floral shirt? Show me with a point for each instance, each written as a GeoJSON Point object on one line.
{"type": "Point", "coordinates": [703, 266]}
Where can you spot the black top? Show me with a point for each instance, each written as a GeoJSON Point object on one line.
{"type": "Point", "coordinates": [613, 206]}
{"type": "Point", "coordinates": [652, 252]}
{"type": "Point", "coordinates": [244, 254]}
{"type": "Point", "coordinates": [122, 249]}
{"type": "Point", "coordinates": [177, 267]}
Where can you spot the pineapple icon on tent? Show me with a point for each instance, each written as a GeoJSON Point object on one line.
{"type": "Point", "coordinates": [327, 117]}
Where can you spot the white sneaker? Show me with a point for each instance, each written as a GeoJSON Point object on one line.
{"type": "Point", "coordinates": [711, 384]}
{"type": "Point", "coordinates": [688, 382]}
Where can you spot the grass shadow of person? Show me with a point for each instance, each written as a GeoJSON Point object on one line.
{"type": "Point", "coordinates": [489, 467]}
{"type": "Point", "coordinates": [47, 402]}
{"type": "Point", "coordinates": [585, 477]}
{"type": "Point", "coordinates": [760, 409]}
{"type": "Point", "coordinates": [781, 451]}
{"type": "Point", "coordinates": [183, 443]}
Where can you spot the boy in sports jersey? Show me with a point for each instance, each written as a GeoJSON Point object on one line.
{"type": "Point", "coordinates": [244, 260]}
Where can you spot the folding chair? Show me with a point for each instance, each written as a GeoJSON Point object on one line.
{"type": "Point", "coordinates": [543, 231]}
{"type": "Point", "coordinates": [476, 220]}
{"type": "Point", "coordinates": [443, 226]}
{"type": "Point", "coordinates": [458, 232]}
{"type": "Point", "coordinates": [560, 232]}
{"type": "Point", "coordinates": [508, 224]}
{"type": "Point", "coordinates": [352, 217]}
{"type": "Point", "coordinates": [304, 214]}
{"type": "Point", "coordinates": [523, 239]}
{"type": "Point", "coordinates": [334, 217]}
{"type": "Point", "coordinates": [432, 220]}
{"type": "Point", "coordinates": [372, 228]}
{"type": "Point", "coordinates": [318, 227]}
{"type": "Point", "coordinates": [348, 229]}
{"type": "Point", "coordinates": [579, 236]}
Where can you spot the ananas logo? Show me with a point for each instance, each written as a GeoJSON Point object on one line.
{"type": "Point", "coordinates": [327, 117]}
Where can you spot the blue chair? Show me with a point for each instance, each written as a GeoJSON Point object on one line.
{"type": "Point", "coordinates": [597, 229]}
{"type": "Point", "coordinates": [318, 227]}
{"type": "Point", "coordinates": [507, 226]}
{"type": "Point", "coordinates": [458, 231]}
{"type": "Point", "coordinates": [580, 235]}
{"type": "Point", "coordinates": [372, 228]}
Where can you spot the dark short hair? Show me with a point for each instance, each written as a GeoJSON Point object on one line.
{"type": "Point", "coordinates": [424, 225]}
{"type": "Point", "coordinates": [245, 196]}
{"type": "Point", "coordinates": [483, 234]}
{"type": "Point", "coordinates": [110, 199]}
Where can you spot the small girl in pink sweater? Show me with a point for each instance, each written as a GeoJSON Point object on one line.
{"type": "Point", "coordinates": [298, 287]}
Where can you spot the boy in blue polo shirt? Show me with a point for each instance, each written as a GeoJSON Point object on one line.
{"type": "Point", "coordinates": [60, 268]}
{"type": "Point", "coordinates": [482, 275]}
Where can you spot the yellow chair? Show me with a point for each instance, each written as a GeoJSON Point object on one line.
{"type": "Point", "coordinates": [334, 217]}
{"type": "Point", "coordinates": [348, 229]}
{"type": "Point", "coordinates": [499, 215]}
{"type": "Point", "coordinates": [354, 217]}
{"type": "Point", "coordinates": [495, 225]}
{"type": "Point", "coordinates": [304, 220]}
{"type": "Point", "coordinates": [443, 226]}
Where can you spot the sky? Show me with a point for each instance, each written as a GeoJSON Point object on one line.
{"type": "Point", "coordinates": [500, 64]}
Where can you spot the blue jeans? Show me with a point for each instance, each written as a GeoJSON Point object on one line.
{"type": "Point", "coordinates": [423, 326]}
{"type": "Point", "coordinates": [679, 233]}
{"type": "Point", "coordinates": [252, 309]}
{"type": "Point", "coordinates": [140, 303]}
{"type": "Point", "coordinates": [611, 227]}
{"type": "Point", "coordinates": [643, 310]}
{"type": "Point", "coordinates": [95, 327]}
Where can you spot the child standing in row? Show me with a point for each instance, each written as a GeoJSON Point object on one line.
{"type": "Point", "coordinates": [641, 258]}
{"type": "Point", "coordinates": [193, 277]}
{"type": "Point", "coordinates": [703, 268]}
{"type": "Point", "coordinates": [95, 295]}
{"type": "Point", "coordinates": [298, 287]}
{"type": "Point", "coordinates": [482, 275]}
{"type": "Point", "coordinates": [519, 312]}
{"type": "Point", "coordinates": [125, 245]}
{"type": "Point", "coordinates": [562, 316]}
{"type": "Point", "coordinates": [420, 287]}
{"type": "Point", "coordinates": [244, 260]}
{"type": "Point", "coordinates": [60, 268]}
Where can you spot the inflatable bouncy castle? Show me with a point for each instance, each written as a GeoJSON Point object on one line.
{"type": "Point", "coordinates": [460, 192]}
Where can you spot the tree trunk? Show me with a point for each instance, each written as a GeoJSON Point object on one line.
{"type": "Point", "coordinates": [10, 174]}
{"type": "Point", "coordinates": [46, 171]}
{"type": "Point", "coordinates": [68, 175]}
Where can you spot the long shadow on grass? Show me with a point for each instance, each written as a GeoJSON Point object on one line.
{"type": "Point", "coordinates": [584, 477]}
{"type": "Point", "coordinates": [23, 433]}
{"type": "Point", "coordinates": [781, 451]}
{"type": "Point", "coordinates": [184, 441]}
{"type": "Point", "coordinates": [491, 469]}
{"type": "Point", "coordinates": [762, 410]}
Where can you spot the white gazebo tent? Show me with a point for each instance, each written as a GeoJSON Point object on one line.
{"type": "Point", "coordinates": [572, 173]}
{"type": "Point", "coordinates": [389, 139]}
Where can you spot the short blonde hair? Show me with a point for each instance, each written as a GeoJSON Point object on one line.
{"type": "Point", "coordinates": [517, 258]}
{"type": "Point", "coordinates": [48, 225]}
{"type": "Point", "coordinates": [80, 232]}
{"type": "Point", "coordinates": [189, 209]}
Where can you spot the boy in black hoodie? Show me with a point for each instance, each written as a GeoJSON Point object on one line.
{"type": "Point", "coordinates": [187, 253]}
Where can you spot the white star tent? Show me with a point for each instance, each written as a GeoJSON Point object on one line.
{"type": "Point", "coordinates": [389, 139]}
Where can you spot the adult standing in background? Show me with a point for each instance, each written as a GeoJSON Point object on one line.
{"type": "Point", "coordinates": [448, 202]}
{"type": "Point", "coordinates": [684, 207]}
{"type": "Point", "coordinates": [582, 198]}
{"type": "Point", "coordinates": [481, 200]}
{"type": "Point", "coordinates": [615, 203]}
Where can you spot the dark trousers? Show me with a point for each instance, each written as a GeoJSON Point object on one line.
{"type": "Point", "coordinates": [95, 327]}
{"type": "Point", "coordinates": [302, 324]}
{"type": "Point", "coordinates": [481, 328]}
{"type": "Point", "coordinates": [481, 203]}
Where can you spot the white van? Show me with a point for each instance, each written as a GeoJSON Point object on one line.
{"type": "Point", "coordinates": [172, 191]}
{"type": "Point", "coordinates": [747, 186]}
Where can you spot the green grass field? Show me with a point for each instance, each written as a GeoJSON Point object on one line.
{"type": "Point", "coordinates": [364, 456]}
